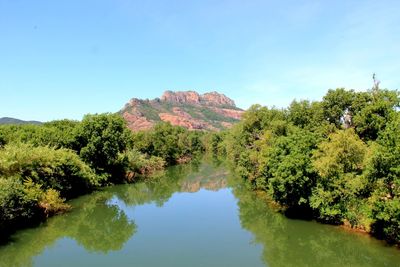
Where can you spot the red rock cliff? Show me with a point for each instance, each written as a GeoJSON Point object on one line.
{"type": "Point", "coordinates": [210, 111]}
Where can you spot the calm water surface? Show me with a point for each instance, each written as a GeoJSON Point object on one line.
{"type": "Point", "coordinates": [196, 215]}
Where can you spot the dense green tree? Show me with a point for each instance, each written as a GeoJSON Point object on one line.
{"type": "Point", "coordinates": [171, 143]}
{"type": "Point", "coordinates": [161, 141]}
{"type": "Point", "coordinates": [41, 165]}
{"type": "Point", "coordinates": [301, 156]}
{"type": "Point", "coordinates": [291, 243]}
{"type": "Point", "coordinates": [384, 171]}
{"type": "Point", "coordinates": [100, 139]}
{"type": "Point", "coordinates": [59, 169]}
{"type": "Point", "coordinates": [190, 143]}
{"type": "Point", "coordinates": [61, 133]}
{"type": "Point", "coordinates": [245, 135]}
{"type": "Point", "coordinates": [360, 101]}
{"type": "Point", "coordinates": [57, 134]}
{"type": "Point", "coordinates": [17, 207]}
{"type": "Point", "coordinates": [335, 103]}
{"type": "Point", "coordinates": [2, 140]}
{"type": "Point", "coordinates": [342, 162]}
{"type": "Point", "coordinates": [376, 113]}
{"type": "Point", "coordinates": [26, 133]}
{"type": "Point", "coordinates": [339, 162]}
{"type": "Point", "coordinates": [214, 143]}
{"type": "Point", "coordinates": [289, 170]}
{"type": "Point", "coordinates": [255, 120]}
{"type": "Point", "coordinates": [306, 114]}
{"type": "Point", "coordinates": [142, 164]}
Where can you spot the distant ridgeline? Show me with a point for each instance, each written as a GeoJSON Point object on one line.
{"type": "Point", "coordinates": [210, 111]}
{"type": "Point", "coordinates": [7, 120]}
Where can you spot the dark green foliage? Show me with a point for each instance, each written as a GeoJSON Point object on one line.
{"type": "Point", "coordinates": [59, 169]}
{"type": "Point", "coordinates": [190, 143]}
{"type": "Point", "coordinates": [138, 163]}
{"type": "Point", "coordinates": [214, 143]}
{"type": "Point", "coordinates": [338, 158]}
{"type": "Point", "coordinates": [57, 134]}
{"type": "Point", "coordinates": [255, 121]}
{"type": "Point", "coordinates": [2, 140]}
{"type": "Point", "coordinates": [41, 165]}
{"type": "Point", "coordinates": [171, 143]}
{"type": "Point", "coordinates": [21, 133]}
{"type": "Point", "coordinates": [335, 103]}
{"type": "Point", "coordinates": [62, 133]}
{"type": "Point", "coordinates": [161, 141]}
{"type": "Point", "coordinates": [306, 114]}
{"type": "Point", "coordinates": [16, 206]}
{"type": "Point", "coordinates": [384, 171]}
{"type": "Point", "coordinates": [100, 139]}
{"type": "Point", "coordinates": [289, 170]}
{"type": "Point", "coordinates": [386, 213]}
{"type": "Point", "coordinates": [376, 113]}
{"type": "Point", "coordinates": [339, 162]}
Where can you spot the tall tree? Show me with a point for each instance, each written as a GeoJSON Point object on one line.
{"type": "Point", "coordinates": [335, 104]}
{"type": "Point", "coordinates": [339, 162]}
{"type": "Point", "coordinates": [100, 139]}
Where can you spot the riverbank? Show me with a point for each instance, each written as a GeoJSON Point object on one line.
{"type": "Point", "coordinates": [317, 165]}
{"type": "Point", "coordinates": [42, 166]}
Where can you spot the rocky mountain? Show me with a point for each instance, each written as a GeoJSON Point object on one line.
{"type": "Point", "coordinates": [7, 120]}
{"type": "Point", "coordinates": [209, 111]}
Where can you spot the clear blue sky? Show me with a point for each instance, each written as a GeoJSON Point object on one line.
{"type": "Point", "coordinates": [63, 59]}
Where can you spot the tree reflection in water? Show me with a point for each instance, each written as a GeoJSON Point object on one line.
{"type": "Point", "coordinates": [98, 224]}
{"type": "Point", "coordinates": [287, 242]}
{"type": "Point", "coordinates": [94, 224]}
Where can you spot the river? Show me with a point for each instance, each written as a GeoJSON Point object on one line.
{"type": "Point", "coordinates": [194, 215]}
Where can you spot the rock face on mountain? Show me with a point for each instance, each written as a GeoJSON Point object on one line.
{"type": "Point", "coordinates": [191, 97]}
{"type": "Point", "coordinates": [210, 111]}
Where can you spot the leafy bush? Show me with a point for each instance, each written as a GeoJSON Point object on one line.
{"type": "Point", "coordinates": [51, 202]}
{"type": "Point", "coordinates": [171, 143]}
{"type": "Point", "coordinates": [139, 163]}
{"type": "Point", "coordinates": [376, 113]}
{"type": "Point", "coordinates": [339, 162]}
{"type": "Point", "coordinates": [2, 140]}
{"type": "Point", "coordinates": [57, 134]}
{"type": "Point", "coordinates": [100, 139]}
{"type": "Point", "coordinates": [343, 163]}
{"type": "Point", "coordinates": [17, 208]}
{"type": "Point", "coordinates": [289, 171]}
{"type": "Point", "coordinates": [59, 169]}
{"type": "Point", "coordinates": [384, 172]}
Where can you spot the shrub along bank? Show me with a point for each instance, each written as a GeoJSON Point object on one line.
{"type": "Point", "coordinates": [41, 166]}
{"type": "Point", "coordinates": [335, 160]}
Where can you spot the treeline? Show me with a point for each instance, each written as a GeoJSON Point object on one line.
{"type": "Point", "coordinates": [335, 160]}
{"type": "Point", "coordinates": [42, 166]}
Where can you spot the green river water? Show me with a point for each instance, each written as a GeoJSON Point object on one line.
{"type": "Point", "coordinates": [195, 215]}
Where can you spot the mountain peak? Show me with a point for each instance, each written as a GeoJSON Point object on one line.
{"type": "Point", "coordinates": [192, 97]}
{"type": "Point", "coordinates": [189, 97]}
{"type": "Point", "coordinates": [209, 111]}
